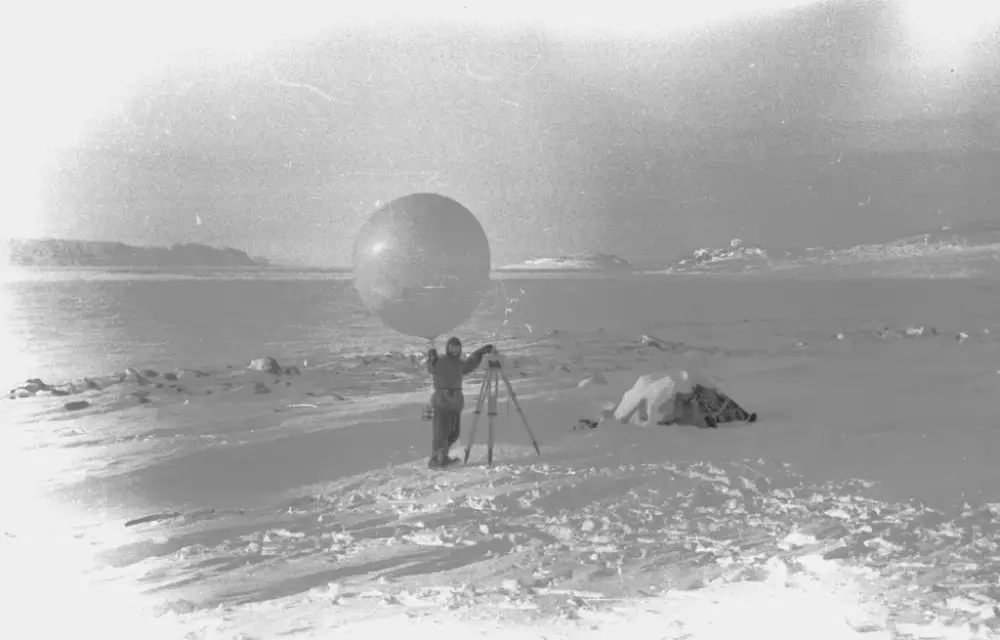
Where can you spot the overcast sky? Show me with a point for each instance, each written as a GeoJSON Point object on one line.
{"type": "Point", "coordinates": [601, 129]}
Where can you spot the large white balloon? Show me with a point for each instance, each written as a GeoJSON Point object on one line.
{"type": "Point", "coordinates": [421, 263]}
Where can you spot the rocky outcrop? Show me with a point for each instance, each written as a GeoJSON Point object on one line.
{"type": "Point", "coordinates": [265, 365]}
{"type": "Point", "coordinates": [912, 332]}
{"type": "Point", "coordinates": [595, 379]}
{"type": "Point", "coordinates": [598, 262]}
{"type": "Point", "coordinates": [36, 386]}
{"type": "Point", "coordinates": [131, 375]}
{"type": "Point", "coordinates": [268, 364]}
{"type": "Point", "coordinates": [30, 387]}
{"type": "Point", "coordinates": [945, 252]}
{"type": "Point", "coordinates": [135, 386]}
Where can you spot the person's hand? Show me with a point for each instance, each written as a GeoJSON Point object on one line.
{"type": "Point", "coordinates": [432, 353]}
{"type": "Point", "coordinates": [486, 349]}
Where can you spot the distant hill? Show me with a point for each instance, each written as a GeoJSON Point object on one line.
{"type": "Point", "coordinates": [48, 252]}
{"type": "Point", "coordinates": [967, 250]}
{"type": "Point", "coordinates": [598, 262]}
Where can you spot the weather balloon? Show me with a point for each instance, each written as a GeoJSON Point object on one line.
{"type": "Point", "coordinates": [421, 263]}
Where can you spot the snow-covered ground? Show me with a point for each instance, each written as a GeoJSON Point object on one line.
{"type": "Point", "coordinates": [229, 503]}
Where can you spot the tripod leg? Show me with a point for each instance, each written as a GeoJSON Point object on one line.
{"type": "Point", "coordinates": [469, 439]}
{"type": "Point", "coordinates": [495, 387]}
{"type": "Point", "coordinates": [520, 411]}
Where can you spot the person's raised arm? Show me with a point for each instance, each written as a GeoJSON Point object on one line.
{"type": "Point", "coordinates": [472, 362]}
{"type": "Point", "coordinates": [432, 359]}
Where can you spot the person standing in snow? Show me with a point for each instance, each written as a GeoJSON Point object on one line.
{"type": "Point", "coordinates": [448, 400]}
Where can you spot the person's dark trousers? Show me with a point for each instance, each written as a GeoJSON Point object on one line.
{"type": "Point", "coordinates": [447, 427]}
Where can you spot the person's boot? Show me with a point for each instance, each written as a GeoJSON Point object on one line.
{"type": "Point", "coordinates": [440, 460]}
{"type": "Point", "coordinates": [446, 458]}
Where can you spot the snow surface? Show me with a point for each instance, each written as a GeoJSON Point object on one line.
{"type": "Point", "coordinates": [862, 504]}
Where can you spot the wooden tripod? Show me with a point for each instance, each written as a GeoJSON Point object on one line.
{"type": "Point", "coordinates": [488, 393]}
